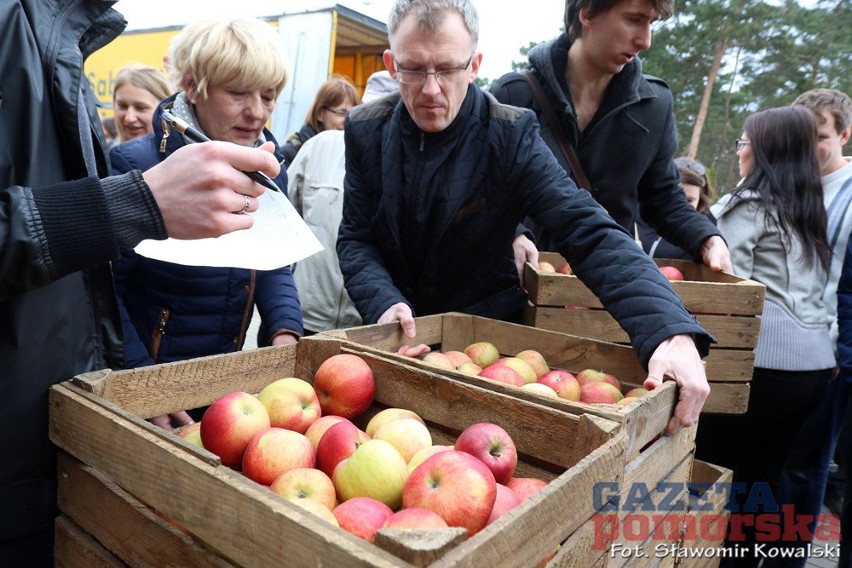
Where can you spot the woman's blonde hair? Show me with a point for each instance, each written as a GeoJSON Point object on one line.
{"type": "Point", "coordinates": [143, 77]}
{"type": "Point", "coordinates": [239, 51]}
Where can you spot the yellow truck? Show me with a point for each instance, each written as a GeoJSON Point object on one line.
{"type": "Point", "coordinates": [318, 41]}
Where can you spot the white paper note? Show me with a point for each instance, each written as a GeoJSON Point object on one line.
{"type": "Point", "coordinates": [279, 237]}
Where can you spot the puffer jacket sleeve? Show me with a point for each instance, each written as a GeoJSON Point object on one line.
{"type": "Point", "coordinates": [602, 254]}
{"type": "Point", "coordinates": [844, 316]}
{"type": "Point", "coordinates": [278, 302]}
{"type": "Point", "coordinates": [367, 280]}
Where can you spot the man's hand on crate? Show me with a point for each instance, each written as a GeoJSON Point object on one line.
{"type": "Point", "coordinates": [715, 254]}
{"type": "Point", "coordinates": [677, 359]}
{"type": "Point", "coordinates": [525, 251]}
{"type": "Point", "coordinates": [168, 421]}
{"type": "Point", "coordinates": [400, 312]}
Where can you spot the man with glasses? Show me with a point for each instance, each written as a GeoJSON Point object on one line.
{"type": "Point", "coordinates": [439, 176]}
{"type": "Point", "coordinates": [619, 122]}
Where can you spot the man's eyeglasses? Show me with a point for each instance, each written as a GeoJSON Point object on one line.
{"type": "Point", "coordinates": [336, 112]}
{"type": "Point", "coordinates": [740, 143]}
{"type": "Point", "coordinates": [407, 77]}
{"type": "Point", "coordinates": [686, 164]}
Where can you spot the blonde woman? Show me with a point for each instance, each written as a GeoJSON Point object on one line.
{"type": "Point", "coordinates": [137, 91]}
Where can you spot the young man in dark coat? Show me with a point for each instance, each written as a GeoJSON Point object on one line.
{"type": "Point", "coordinates": [61, 222]}
{"type": "Point", "coordinates": [437, 179]}
{"type": "Point", "coordinates": [619, 121]}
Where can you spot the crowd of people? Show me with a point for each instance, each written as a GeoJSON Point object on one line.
{"type": "Point", "coordinates": [429, 195]}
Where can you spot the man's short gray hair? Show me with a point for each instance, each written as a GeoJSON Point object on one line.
{"type": "Point", "coordinates": [430, 14]}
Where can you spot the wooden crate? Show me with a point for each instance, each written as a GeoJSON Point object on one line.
{"type": "Point", "coordinates": [644, 420]}
{"type": "Point", "coordinates": [709, 515]}
{"type": "Point", "coordinates": [727, 306]}
{"type": "Point", "coordinates": [131, 493]}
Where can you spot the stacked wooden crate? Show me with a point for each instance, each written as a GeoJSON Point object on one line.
{"type": "Point", "coordinates": [726, 305]}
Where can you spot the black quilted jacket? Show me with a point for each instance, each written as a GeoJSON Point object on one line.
{"type": "Point", "coordinates": [429, 219]}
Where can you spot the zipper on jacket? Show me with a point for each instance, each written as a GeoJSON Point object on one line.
{"type": "Point", "coordinates": [158, 332]}
{"type": "Point", "coordinates": [422, 141]}
{"type": "Point", "coordinates": [167, 128]}
{"type": "Point", "coordinates": [248, 312]}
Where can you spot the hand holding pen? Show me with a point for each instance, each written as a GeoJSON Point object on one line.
{"type": "Point", "coordinates": [195, 135]}
{"type": "Point", "coordinates": [200, 189]}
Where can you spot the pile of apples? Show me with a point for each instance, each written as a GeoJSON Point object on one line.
{"type": "Point", "coordinates": [670, 272]}
{"type": "Point", "coordinates": [299, 439]}
{"type": "Point", "coordinates": [529, 371]}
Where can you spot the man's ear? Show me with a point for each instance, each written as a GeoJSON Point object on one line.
{"type": "Point", "coordinates": [474, 66]}
{"type": "Point", "coordinates": [390, 64]}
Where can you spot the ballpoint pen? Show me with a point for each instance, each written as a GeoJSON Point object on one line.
{"type": "Point", "coordinates": [195, 135]}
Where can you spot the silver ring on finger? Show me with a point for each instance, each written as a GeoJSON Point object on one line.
{"type": "Point", "coordinates": [248, 203]}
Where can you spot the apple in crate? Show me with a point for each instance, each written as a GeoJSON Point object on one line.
{"type": "Point", "coordinates": [470, 369]}
{"type": "Point", "coordinates": [600, 393]}
{"type": "Point", "coordinates": [338, 443]}
{"type": "Point", "coordinates": [457, 486]}
{"type": "Point", "coordinates": [563, 382]}
{"type": "Point", "coordinates": [345, 385]}
{"type": "Point", "coordinates": [362, 516]}
{"type": "Point", "coordinates": [438, 359]}
{"type": "Point", "coordinates": [415, 518]}
{"type": "Point", "coordinates": [506, 501]}
{"type": "Point", "coordinates": [316, 508]}
{"type": "Point", "coordinates": [291, 403]}
{"type": "Point", "coordinates": [502, 374]}
{"type": "Point", "coordinates": [229, 423]}
{"type": "Point", "coordinates": [564, 268]}
{"type": "Point", "coordinates": [407, 435]}
{"type": "Point", "coordinates": [523, 487]}
{"type": "Point", "coordinates": [387, 415]}
{"type": "Point", "coordinates": [492, 445]}
{"type": "Point", "coordinates": [540, 389]}
{"type": "Point", "coordinates": [671, 272]}
{"type": "Point", "coordinates": [376, 469]}
{"type": "Point", "coordinates": [457, 358]}
{"type": "Point", "coordinates": [483, 353]}
{"type": "Point", "coordinates": [593, 376]}
{"type": "Point", "coordinates": [535, 360]}
{"type": "Point", "coordinates": [425, 454]}
{"type": "Point", "coordinates": [306, 483]}
{"type": "Point", "coordinates": [275, 450]}
{"type": "Point", "coordinates": [544, 266]}
{"type": "Point", "coordinates": [521, 367]}
{"type": "Point", "coordinates": [192, 434]}
{"type": "Point", "coordinates": [316, 430]}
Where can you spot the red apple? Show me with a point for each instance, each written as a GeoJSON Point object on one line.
{"type": "Point", "coordinates": [600, 393]}
{"type": "Point", "coordinates": [593, 376]}
{"type": "Point", "coordinates": [457, 358]}
{"type": "Point", "coordinates": [482, 353]}
{"type": "Point", "coordinates": [564, 269]}
{"type": "Point", "coordinates": [273, 451]}
{"type": "Point", "coordinates": [502, 374]}
{"type": "Point", "coordinates": [535, 360]}
{"type": "Point", "coordinates": [521, 367]}
{"type": "Point", "coordinates": [376, 469]}
{"type": "Point", "coordinates": [456, 485]}
{"type": "Point", "coordinates": [506, 500]}
{"type": "Point", "coordinates": [323, 423]}
{"type": "Point", "coordinates": [563, 382]}
{"type": "Point", "coordinates": [671, 272]}
{"type": "Point", "coordinates": [523, 487]}
{"type": "Point", "coordinates": [362, 516]}
{"type": "Point", "coordinates": [345, 385]}
{"type": "Point", "coordinates": [192, 434]}
{"type": "Point", "coordinates": [636, 392]}
{"type": "Point", "coordinates": [407, 435]}
{"type": "Point", "coordinates": [492, 445]}
{"type": "Point", "coordinates": [415, 518]}
{"type": "Point", "coordinates": [338, 443]}
{"type": "Point", "coordinates": [305, 483]}
{"type": "Point", "coordinates": [291, 404]}
{"type": "Point", "coordinates": [229, 423]}
{"type": "Point", "coordinates": [387, 415]}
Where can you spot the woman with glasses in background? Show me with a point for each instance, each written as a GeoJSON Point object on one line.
{"type": "Point", "coordinates": [775, 224]}
{"type": "Point", "coordinates": [328, 112]}
{"type": "Point", "coordinates": [699, 193]}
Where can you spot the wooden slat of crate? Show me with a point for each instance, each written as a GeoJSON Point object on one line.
{"type": "Point", "coordinates": [710, 504]}
{"type": "Point", "coordinates": [74, 548]}
{"type": "Point", "coordinates": [735, 332]}
{"type": "Point", "coordinates": [134, 454]}
{"type": "Point", "coordinates": [703, 291]}
{"type": "Point", "coordinates": [131, 531]}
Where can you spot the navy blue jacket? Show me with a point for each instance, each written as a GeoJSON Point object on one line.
{"type": "Point", "coordinates": [844, 316]}
{"type": "Point", "coordinates": [172, 312]}
{"type": "Point", "coordinates": [429, 220]}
